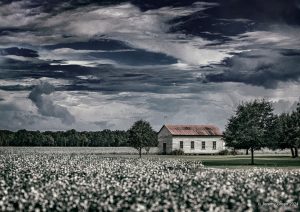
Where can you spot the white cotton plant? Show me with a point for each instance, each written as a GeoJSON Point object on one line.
{"type": "Point", "coordinates": [64, 182]}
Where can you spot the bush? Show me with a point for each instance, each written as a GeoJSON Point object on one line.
{"type": "Point", "coordinates": [177, 152]}
{"type": "Point", "coordinates": [224, 152]}
{"type": "Point", "coordinates": [229, 152]}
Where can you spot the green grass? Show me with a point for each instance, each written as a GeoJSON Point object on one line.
{"type": "Point", "coordinates": [241, 161]}
{"type": "Point", "coordinates": [280, 161]}
{"type": "Point", "coordinates": [229, 161]}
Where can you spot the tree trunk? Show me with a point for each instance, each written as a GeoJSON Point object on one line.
{"type": "Point", "coordinates": [247, 151]}
{"type": "Point", "coordinates": [252, 156]}
{"type": "Point", "coordinates": [292, 151]}
{"type": "Point", "coordinates": [140, 152]}
{"type": "Point", "coordinates": [296, 152]}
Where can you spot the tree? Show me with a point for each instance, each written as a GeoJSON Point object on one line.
{"type": "Point", "coordinates": [152, 143]}
{"type": "Point", "coordinates": [286, 133]}
{"type": "Point", "coordinates": [141, 135]}
{"type": "Point", "coordinates": [295, 130]}
{"type": "Point", "coordinates": [6, 137]}
{"type": "Point", "coordinates": [282, 133]}
{"type": "Point", "coordinates": [250, 127]}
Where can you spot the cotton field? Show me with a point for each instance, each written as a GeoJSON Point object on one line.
{"type": "Point", "coordinates": [81, 182]}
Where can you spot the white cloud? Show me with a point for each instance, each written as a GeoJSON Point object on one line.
{"type": "Point", "coordinates": [67, 56]}
{"type": "Point", "coordinates": [33, 82]}
{"type": "Point", "coordinates": [276, 36]}
{"type": "Point", "coordinates": [16, 14]}
{"type": "Point", "coordinates": [20, 58]}
{"type": "Point", "coordinates": [145, 30]}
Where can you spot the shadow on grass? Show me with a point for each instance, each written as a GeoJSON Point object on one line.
{"type": "Point", "coordinates": [286, 162]}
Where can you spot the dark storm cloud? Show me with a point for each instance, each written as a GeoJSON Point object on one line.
{"type": "Point", "coordinates": [19, 52]}
{"type": "Point", "coordinates": [210, 27]}
{"type": "Point", "coordinates": [9, 30]}
{"type": "Point", "coordinates": [220, 20]}
{"type": "Point", "coordinates": [46, 107]}
{"type": "Point", "coordinates": [15, 87]}
{"type": "Point", "coordinates": [126, 80]}
{"type": "Point", "coordinates": [101, 44]}
{"type": "Point", "coordinates": [117, 51]}
{"type": "Point", "coordinates": [57, 5]}
{"type": "Point", "coordinates": [133, 53]}
{"type": "Point", "coordinates": [104, 78]}
{"type": "Point", "coordinates": [234, 17]}
{"type": "Point", "coordinates": [291, 52]}
{"type": "Point", "coordinates": [11, 68]}
{"type": "Point", "coordinates": [136, 57]}
{"type": "Point", "coordinates": [255, 68]}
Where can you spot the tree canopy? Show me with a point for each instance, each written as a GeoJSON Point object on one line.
{"type": "Point", "coordinates": [250, 127]}
{"type": "Point", "coordinates": [141, 135]}
{"type": "Point", "coordinates": [104, 138]}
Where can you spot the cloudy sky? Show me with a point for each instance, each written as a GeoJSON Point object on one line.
{"type": "Point", "coordinates": [91, 65]}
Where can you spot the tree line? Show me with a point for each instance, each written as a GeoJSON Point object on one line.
{"type": "Point", "coordinates": [104, 138]}
{"type": "Point", "coordinates": [255, 126]}
{"type": "Point", "coordinates": [140, 136]}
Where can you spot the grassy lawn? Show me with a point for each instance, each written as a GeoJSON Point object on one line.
{"type": "Point", "coordinates": [241, 161]}
{"type": "Point", "coordinates": [261, 161]}
{"type": "Point", "coordinates": [229, 161]}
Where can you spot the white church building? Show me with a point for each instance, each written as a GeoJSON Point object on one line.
{"type": "Point", "coordinates": [192, 139]}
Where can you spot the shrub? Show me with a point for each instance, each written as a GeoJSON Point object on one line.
{"type": "Point", "coordinates": [224, 152]}
{"type": "Point", "coordinates": [177, 152]}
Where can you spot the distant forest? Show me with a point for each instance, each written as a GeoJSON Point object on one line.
{"type": "Point", "coordinates": [104, 138]}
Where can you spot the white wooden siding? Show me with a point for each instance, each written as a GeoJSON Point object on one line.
{"type": "Point", "coordinates": [198, 144]}
{"type": "Point", "coordinates": [164, 136]}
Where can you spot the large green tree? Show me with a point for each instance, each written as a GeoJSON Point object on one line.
{"type": "Point", "coordinates": [250, 127]}
{"type": "Point", "coordinates": [286, 132]}
{"type": "Point", "coordinates": [282, 133]}
{"type": "Point", "coordinates": [295, 134]}
{"type": "Point", "coordinates": [141, 135]}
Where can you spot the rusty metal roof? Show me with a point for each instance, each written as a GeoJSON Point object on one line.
{"type": "Point", "coordinates": [201, 130]}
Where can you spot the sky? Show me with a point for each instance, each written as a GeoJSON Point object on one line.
{"type": "Point", "coordinates": [93, 65]}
